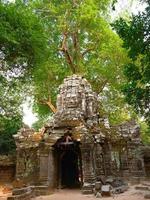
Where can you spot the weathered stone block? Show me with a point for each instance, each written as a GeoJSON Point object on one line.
{"type": "Point", "coordinates": [106, 190]}
{"type": "Point", "coordinates": [98, 186]}
{"type": "Point", "coordinates": [147, 196]}
{"type": "Point", "coordinates": [21, 191]}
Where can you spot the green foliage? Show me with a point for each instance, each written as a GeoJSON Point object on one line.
{"type": "Point", "coordinates": [10, 98]}
{"type": "Point", "coordinates": [53, 39]}
{"type": "Point", "coordinates": [23, 41]}
{"type": "Point", "coordinates": [23, 46]}
{"type": "Point", "coordinates": [145, 133]}
{"type": "Point", "coordinates": [8, 127]}
{"type": "Point", "coordinates": [47, 79]}
{"type": "Point", "coordinates": [82, 42]}
{"type": "Point", "coordinates": [42, 120]}
{"type": "Point", "coordinates": [113, 4]}
{"type": "Point", "coordinates": [10, 113]}
{"type": "Point", "coordinates": [115, 107]}
{"type": "Point", "coordinates": [136, 36]}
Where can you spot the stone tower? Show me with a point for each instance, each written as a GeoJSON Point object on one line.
{"type": "Point", "coordinates": [76, 103]}
{"type": "Point", "coordinates": [74, 148]}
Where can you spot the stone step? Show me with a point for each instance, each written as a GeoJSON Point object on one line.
{"type": "Point", "coordinates": [41, 190]}
{"type": "Point", "coordinates": [86, 192]}
{"type": "Point", "coordinates": [142, 188]}
{"type": "Point", "coordinates": [146, 184]}
{"type": "Point", "coordinates": [32, 190]}
{"type": "Point", "coordinates": [25, 196]}
{"type": "Point", "coordinates": [19, 191]}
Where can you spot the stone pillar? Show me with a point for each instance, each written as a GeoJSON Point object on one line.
{"type": "Point", "coordinates": [87, 164]}
{"type": "Point", "coordinates": [19, 165]}
{"type": "Point", "coordinates": [43, 169]}
{"type": "Point", "coordinates": [136, 164]}
{"type": "Point", "coordinates": [51, 169]}
{"type": "Point", "coordinates": [48, 161]}
{"type": "Point", "coordinates": [107, 159]}
{"type": "Point", "coordinates": [44, 159]}
{"type": "Point", "coordinates": [98, 160]}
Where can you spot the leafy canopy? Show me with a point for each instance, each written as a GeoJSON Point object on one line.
{"type": "Point", "coordinates": [136, 36]}
{"type": "Point", "coordinates": [23, 46]}
{"type": "Point", "coordinates": [81, 41]}
{"type": "Point", "coordinates": [22, 38]}
{"type": "Point", "coordinates": [9, 127]}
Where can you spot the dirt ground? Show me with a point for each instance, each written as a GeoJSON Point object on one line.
{"type": "Point", "coordinates": [72, 194]}
{"type": "Point", "coordinates": [131, 194]}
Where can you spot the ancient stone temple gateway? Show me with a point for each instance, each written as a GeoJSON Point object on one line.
{"type": "Point", "coordinates": [76, 148]}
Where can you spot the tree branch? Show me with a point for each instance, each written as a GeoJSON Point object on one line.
{"type": "Point", "coordinates": [77, 54]}
{"type": "Point", "coordinates": [65, 51]}
{"type": "Point", "coordinates": [49, 104]}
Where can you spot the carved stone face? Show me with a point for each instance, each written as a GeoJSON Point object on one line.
{"type": "Point", "coordinates": [72, 99]}
{"type": "Point", "coordinates": [70, 94]}
{"type": "Point", "coordinates": [76, 100]}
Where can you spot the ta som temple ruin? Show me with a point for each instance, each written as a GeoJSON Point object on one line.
{"type": "Point", "coordinates": [77, 148]}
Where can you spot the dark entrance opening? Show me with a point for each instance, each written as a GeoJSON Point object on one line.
{"type": "Point", "coordinates": [147, 165]}
{"type": "Point", "coordinates": [69, 166]}
{"type": "Point", "coordinates": [69, 169]}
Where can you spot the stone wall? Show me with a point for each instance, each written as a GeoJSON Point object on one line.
{"type": "Point", "coordinates": [105, 150]}
{"type": "Point", "coordinates": [27, 165]}
{"type": "Point", "coordinates": [7, 168]}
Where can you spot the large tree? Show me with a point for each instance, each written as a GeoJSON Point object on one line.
{"type": "Point", "coordinates": [53, 39]}
{"type": "Point", "coordinates": [81, 41]}
{"type": "Point", "coordinates": [23, 46]}
{"type": "Point", "coordinates": [136, 36]}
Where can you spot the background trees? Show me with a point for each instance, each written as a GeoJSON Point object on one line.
{"type": "Point", "coordinates": [22, 44]}
{"type": "Point", "coordinates": [136, 36]}
{"type": "Point", "coordinates": [22, 38]}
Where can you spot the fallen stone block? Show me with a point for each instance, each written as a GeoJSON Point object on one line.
{"type": "Point", "coordinates": [120, 189]}
{"type": "Point", "coordinates": [98, 185]}
{"type": "Point", "coordinates": [147, 196]}
{"type": "Point", "coordinates": [106, 190]}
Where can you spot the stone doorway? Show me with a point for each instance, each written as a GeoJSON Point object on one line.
{"type": "Point", "coordinates": [147, 165]}
{"type": "Point", "coordinates": [68, 162]}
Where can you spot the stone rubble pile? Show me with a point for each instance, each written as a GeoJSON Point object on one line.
{"type": "Point", "coordinates": [110, 187]}
{"type": "Point", "coordinates": [27, 137]}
